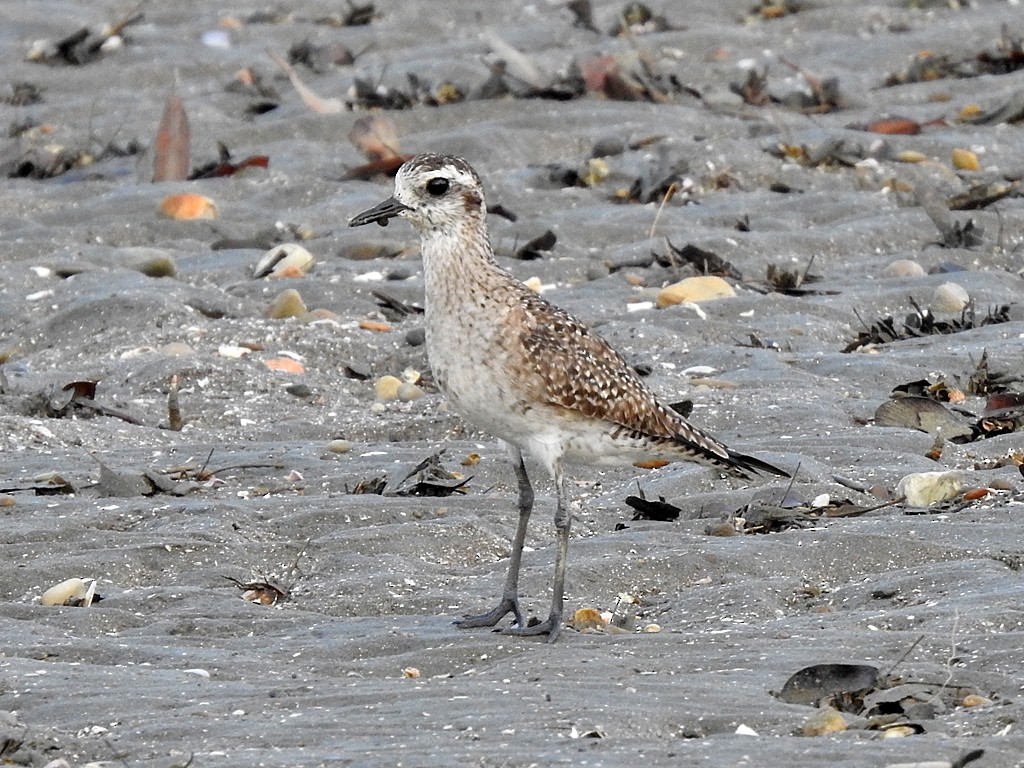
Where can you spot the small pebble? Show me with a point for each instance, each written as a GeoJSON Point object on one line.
{"type": "Point", "coordinates": [298, 390]}
{"type": "Point", "coordinates": [339, 446]}
{"type": "Point", "coordinates": [696, 289]}
{"type": "Point", "coordinates": [159, 266]}
{"type": "Point", "coordinates": [408, 392]}
{"type": "Point", "coordinates": [974, 700]}
{"type": "Point", "coordinates": [417, 337]}
{"type": "Point", "coordinates": [950, 297]}
{"type": "Point", "coordinates": [177, 349]}
{"type": "Point", "coordinates": [387, 388]}
{"type": "Point", "coordinates": [903, 268]}
{"type": "Point", "coordinates": [824, 721]}
{"type": "Point", "coordinates": [965, 160]}
{"type": "Point", "coordinates": [922, 489]}
{"type": "Point", "coordinates": [287, 303]}
{"type": "Point", "coordinates": [6, 500]}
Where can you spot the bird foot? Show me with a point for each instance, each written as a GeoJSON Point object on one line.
{"type": "Point", "coordinates": [551, 626]}
{"type": "Point", "coordinates": [501, 610]}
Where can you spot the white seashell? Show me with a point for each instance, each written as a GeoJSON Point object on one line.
{"type": "Point", "coordinates": [68, 591]}
{"type": "Point", "coordinates": [285, 260]}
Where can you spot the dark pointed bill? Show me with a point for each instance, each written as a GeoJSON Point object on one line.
{"type": "Point", "coordinates": [380, 213]}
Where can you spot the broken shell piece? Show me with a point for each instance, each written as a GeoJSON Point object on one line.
{"type": "Point", "coordinates": [76, 592]}
{"type": "Point", "coordinates": [922, 489]}
{"type": "Point", "coordinates": [284, 260]}
{"type": "Point", "coordinates": [412, 673]}
{"type": "Point", "coordinates": [588, 619]}
{"type": "Point", "coordinates": [694, 289]}
{"type": "Point", "coordinates": [188, 206]}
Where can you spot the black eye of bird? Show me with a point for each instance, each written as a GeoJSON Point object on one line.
{"type": "Point", "coordinates": [438, 186]}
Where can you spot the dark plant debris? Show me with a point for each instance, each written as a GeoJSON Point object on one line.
{"type": "Point", "coordinates": [84, 45]}
{"type": "Point", "coordinates": [537, 247]}
{"type": "Point", "coordinates": [1007, 57]}
{"type": "Point", "coordinates": [648, 509]}
{"type": "Point", "coordinates": [922, 322]}
{"type": "Point", "coordinates": [702, 261]}
{"type": "Point", "coordinates": [224, 166]}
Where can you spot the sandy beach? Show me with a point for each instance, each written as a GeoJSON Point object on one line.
{"type": "Point", "coordinates": [874, 146]}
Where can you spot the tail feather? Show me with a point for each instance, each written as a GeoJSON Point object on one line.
{"type": "Point", "coordinates": [741, 464]}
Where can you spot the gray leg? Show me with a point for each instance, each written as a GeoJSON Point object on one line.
{"type": "Point", "coordinates": [553, 624]}
{"type": "Point", "coordinates": [510, 595]}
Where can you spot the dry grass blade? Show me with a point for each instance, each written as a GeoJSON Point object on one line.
{"type": "Point", "coordinates": [312, 100]}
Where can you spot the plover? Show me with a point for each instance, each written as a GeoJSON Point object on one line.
{"type": "Point", "coordinates": [529, 373]}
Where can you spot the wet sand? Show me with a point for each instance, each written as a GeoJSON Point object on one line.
{"type": "Point", "coordinates": [172, 665]}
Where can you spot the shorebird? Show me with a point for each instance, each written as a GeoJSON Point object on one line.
{"type": "Point", "coordinates": [529, 373]}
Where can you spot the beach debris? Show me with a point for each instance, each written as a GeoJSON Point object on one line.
{"type": "Point", "coordinates": [225, 166]}
{"type": "Point", "coordinates": [841, 686]}
{"type": "Point", "coordinates": [892, 126]}
{"type": "Point", "coordinates": [984, 381]}
{"type": "Point", "coordinates": [430, 478]}
{"type": "Point", "coordinates": [982, 194]}
{"type": "Point", "coordinates": [922, 322]}
{"type": "Point", "coordinates": [320, 58]}
{"type": "Point", "coordinates": [188, 206]}
{"type": "Point", "coordinates": [84, 45]}
{"type": "Point", "coordinates": [821, 96]}
{"type": "Point", "coordinates": [588, 620]}
{"type": "Point", "coordinates": [376, 136]}
{"type": "Point", "coordinates": [171, 159]}
{"type": "Point", "coordinates": [924, 414]}
{"type": "Point", "coordinates": [284, 365]}
{"type": "Point", "coordinates": [927, 66]}
{"type": "Point", "coordinates": [284, 260]}
{"type": "Point", "coordinates": [307, 94]}
{"type": "Point", "coordinates": [261, 591]}
{"type": "Point", "coordinates": [923, 489]}
{"type": "Point", "coordinates": [703, 261]}
{"type": "Point", "coordinates": [411, 673]}
{"type": "Point", "coordinates": [75, 592]}
{"type": "Point", "coordinates": [394, 309]}
{"type": "Point", "coordinates": [535, 248]}
{"type": "Point", "coordinates": [659, 510]}
{"type": "Point", "coordinates": [790, 282]}
{"type": "Point", "coordinates": [694, 289]}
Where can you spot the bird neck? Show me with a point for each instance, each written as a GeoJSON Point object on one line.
{"type": "Point", "coordinates": [460, 254]}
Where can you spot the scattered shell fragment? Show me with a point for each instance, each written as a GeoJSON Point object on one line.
{"type": "Point", "coordinates": [387, 388]}
{"type": "Point", "coordinates": [233, 351]}
{"type": "Point", "coordinates": [375, 325]}
{"type": "Point", "coordinates": [950, 297]}
{"type": "Point", "coordinates": [339, 446]}
{"type": "Point", "coordinates": [285, 365]}
{"type": "Point", "coordinates": [965, 160]}
{"type": "Point", "coordinates": [284, 260]}
{"type": "Point", "coordinates": [588, 619]}
{"type": "Point", "coordinates": [652, 628]}
{"type": "Point", "coordinates": [823, 722]}
{"type": "Point", "coordinates": [974, 700]}
{"type": "Point", "coordinates": [911, 156]}
{"type": "Point", "coordinates": [287, 303]}
{"type": "Point", "coordinates": [79, 592]}
{"type": "Point", "coordinates": [922, 489]}
{"type": "Point", "coordinates": [188, 206]}
{"type": "Point", "coordinates": [695, 289]}
{"type": "Point", "coordinates": [411, 672]}
{"type": "Point", "coordinates": [533, 283]}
